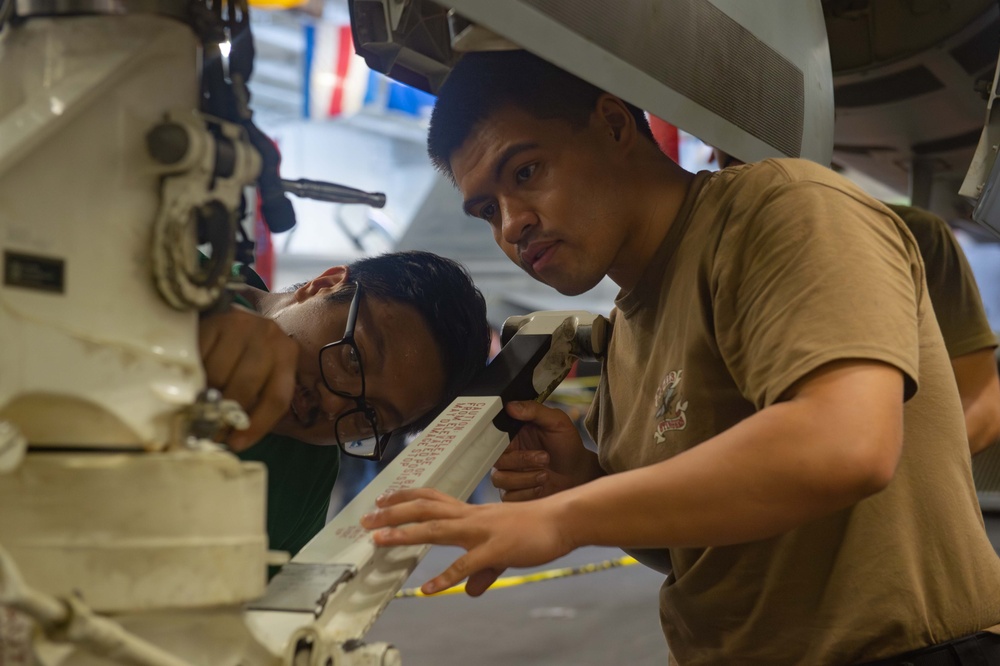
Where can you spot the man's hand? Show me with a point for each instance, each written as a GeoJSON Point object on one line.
{"type": "Point", "coordinates": [546, 457]}
{"type": "Point", "coordinates": [495, 536]}
{"type": "Point", "coordinates": [252, 361]}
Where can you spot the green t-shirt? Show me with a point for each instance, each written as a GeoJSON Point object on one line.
{"type": "Point", "coordinates": [300, 477]}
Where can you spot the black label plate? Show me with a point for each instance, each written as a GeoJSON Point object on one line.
{"type": "Point", "coordinates": [33, 272]}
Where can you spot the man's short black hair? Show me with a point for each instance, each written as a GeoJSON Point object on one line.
{"type": "Point", "coordinates": [444, 294]}
{"type": "Point", "coordinates": [483, 82]}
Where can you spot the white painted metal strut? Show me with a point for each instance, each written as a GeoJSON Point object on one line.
{"type": "Point", "coordinates": [323, 602]}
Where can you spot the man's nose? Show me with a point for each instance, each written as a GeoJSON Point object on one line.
{"type": "Point", "coordinates": [332, 403]}
{"type": "Point", "coordinates": [517, 220]}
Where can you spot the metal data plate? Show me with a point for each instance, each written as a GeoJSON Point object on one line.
{"type": "Point", "coordinates": [302, 587]}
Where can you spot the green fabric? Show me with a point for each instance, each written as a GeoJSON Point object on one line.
{"type": "Point", "coordinates": [246, 274]}
{"type": "Point", "coordinates": [300, 478]}
{"type": "Point", "coordinates": [239, 300]}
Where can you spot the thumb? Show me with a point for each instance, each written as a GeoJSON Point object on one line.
{"type": "Point", "coordinates": [544, 417]}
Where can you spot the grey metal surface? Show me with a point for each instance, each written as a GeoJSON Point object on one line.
{"type": "Point", "coordinates": [740, 78]}
{"type": "Point", "coordinates": [750, 78]}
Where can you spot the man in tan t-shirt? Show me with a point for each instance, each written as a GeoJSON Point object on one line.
{"type": "Point", "coordinates": [959, 311]}
{"type": "Point", "coordinates": [777, 418]}
{"type": "Point", "coordinates": [968, 337]}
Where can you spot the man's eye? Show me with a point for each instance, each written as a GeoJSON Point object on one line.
{"type": "Point", "coordinates": [488, 211]}
{"type": "Point", "coordinates": [363, 421]}
{"type": "Point", "coordinates": [524, 173]}
{"type": "Point", "coordinates": [353, 363]}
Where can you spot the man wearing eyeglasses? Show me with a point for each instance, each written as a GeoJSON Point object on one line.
{"type": "Point", "coordinates": [341, 362]}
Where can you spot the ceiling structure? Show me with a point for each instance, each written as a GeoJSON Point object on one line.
{"type": "Point", "coordinates": [909, 83]}
{"type": "Point", "coordinates": [906, 78]}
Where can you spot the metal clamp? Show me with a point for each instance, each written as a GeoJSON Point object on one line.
{"type": "Point", "coordinates": [204, 175]}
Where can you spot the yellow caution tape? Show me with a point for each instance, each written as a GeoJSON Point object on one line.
{"type": "Point", "coordinates": [537, 577]}
{"type": "Point", "coordinates": [277, 4]}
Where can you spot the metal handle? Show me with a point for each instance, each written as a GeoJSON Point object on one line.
{"type": "Point", "coordinates": [315, 189]}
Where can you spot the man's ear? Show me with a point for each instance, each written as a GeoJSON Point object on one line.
{"type": "Point", "coordinates": [329, 280]}
{"type": "Point", "coordinates": [615, 119]}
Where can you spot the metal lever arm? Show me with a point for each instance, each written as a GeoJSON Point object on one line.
{"type": "Point", "coordinates": [316, 189]}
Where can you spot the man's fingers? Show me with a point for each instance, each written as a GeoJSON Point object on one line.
{"type": "Point", "coordinates": [263, 390]}
{"type": "Point", "coordinates": [248, 379]}
{"type": "Point", "coordinates": [480, 581]}
{"type": "Point", "coordinates": [510, 481]}
{"type": "Point", "coordinates": [520, 475]}
{"type": "Point", "coordinates": [424, 520]}
{"type": "Point", "coordinates": [418, 519]}
{"type": "Point", "coordinates": [462, 568]}
{"type": "Point", "coordinates": [265, 372]}
{"type": "Point", "coordinates": [220, 364]}
{"type": "Point", "coordinates": [521, 495]}
{"type": "Point", "coordinates": [208, 336]}
{"type": "Point", "coordinates": [410, 494]}
{"type": "Point", "coordinates": [223, 340]}
{"type": "Point", "coordinates": [547, 418]}
{"type": "Point", "coordinates": [437, 532]}
{"type": "Point", "coordinates": [271, 405]}
{"type": "Point", "coordinates": [252, 362]}
{"type": "Point", "coordinates": [521, 460]}
{"type": "Point", "coordinates": [417, 505]}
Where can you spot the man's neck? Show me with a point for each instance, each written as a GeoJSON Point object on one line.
{"type": "Point", "coordinates": [659, 192]}
{"type": "Point", "coordinates": [262, 301]}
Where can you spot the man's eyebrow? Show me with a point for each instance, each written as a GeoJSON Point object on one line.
{"type": "Point", "coordinates": [506, 156]}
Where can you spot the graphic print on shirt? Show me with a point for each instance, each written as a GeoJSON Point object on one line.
{"type": "Point", "coordinates": [670, 407]}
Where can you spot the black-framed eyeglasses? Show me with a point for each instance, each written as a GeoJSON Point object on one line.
{"type": "Point", "coordinates": [340, 366]}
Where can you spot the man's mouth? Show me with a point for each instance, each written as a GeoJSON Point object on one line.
{"type": "Point", "coordinates": [305, 407]}
{"type": "Point", "coordinates": [535, 255]}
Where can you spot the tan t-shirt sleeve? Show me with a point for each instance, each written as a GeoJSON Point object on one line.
{"type": "Point", "coordinates": [811, 274]}
{"type": "Point", "coordinates": [950, 284]}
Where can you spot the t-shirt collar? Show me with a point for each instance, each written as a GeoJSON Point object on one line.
{"type": "Point", "coordinates": [647, 289]}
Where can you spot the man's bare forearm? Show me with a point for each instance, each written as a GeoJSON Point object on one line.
{"type": "Point", "coordinates": [979, 389]}
{"type": "Point", "coordinates": [789, 464]}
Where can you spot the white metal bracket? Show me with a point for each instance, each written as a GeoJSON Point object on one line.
{"type": "Point", "coordinates": [332, 592]}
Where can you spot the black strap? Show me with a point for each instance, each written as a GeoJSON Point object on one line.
{"type": "Point", "coordinates": [981, 649]}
